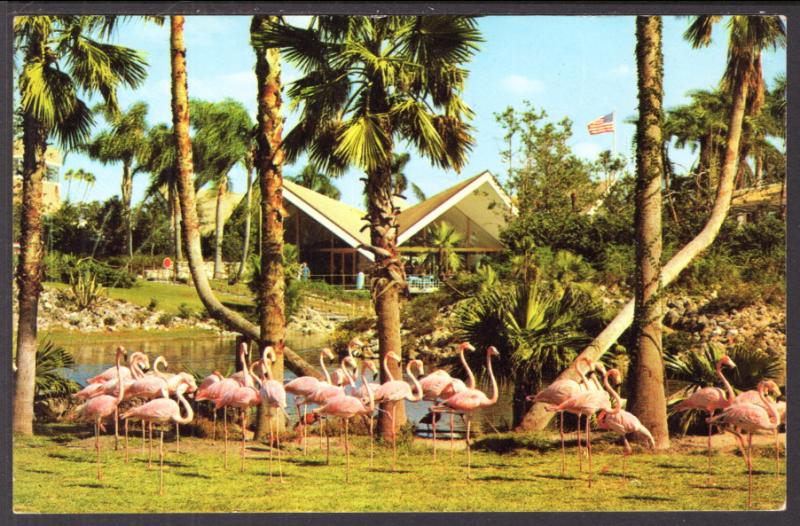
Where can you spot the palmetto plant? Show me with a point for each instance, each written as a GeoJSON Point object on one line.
{"type": "Point", "coordinates": [85, 288]}
{"type": "Point", "coordinates": [697, 370]}
{"type": "Point", "coordinates": [537, 332]}
{"type": "Point", "coordinates": [50, 381]}
{"type": "Point", "coordinates": [443, 237]}
{"type": "Point", "coordinates": [314, 179]}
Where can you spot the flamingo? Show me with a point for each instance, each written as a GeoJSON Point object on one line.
{"type": "Point", "coordinates": [471, 399]}
{"type": "Point", "coordinates": [749, 418]}
{"type": "Point", "coordinates": [219, 390]}
{"type": "Point", "coordinates": [348, 406]}
{"type": "Point", "coordinates": [304, 386]}
{"type": "Point", "coordinates": [161, 411]}
{"type": "Point", "coordinates": [173, 381]}
{"type": "Point", "coordinates": [326, 391]}
{"type": "Point", "coordinates": [272, 392]}
{"type": "Point", "coordinates": [340, 376]}
{"type": "Point", "coordinates": [366, 391]}
{"type": "Point", "coordinates": [622, 422]}
{"type": "Point", "coordinates": [458, 386]}
{"type": "Point", "coordinates": [397, 390]}
{"type": "Point", "coordinates": [101, 407]}
{"type": "Point", "coordinates": [240, 376]}
{"type": "Point", "coordinates": [709, 399]}
{"type": "Point", "coordinates": [586, 403]}
{"type": "Point", "coordinates": [202, 390]}
{"type": "Point", "coordinates": [439, 385]}
{"type": "Point", "coordinates": [111, 372]}
{"type": "Point", "coordinates": [242, 398]}
{"type": "Point", "coordinates": [559, 391]}
{"type": "Point", "coordinates": [751, 397]}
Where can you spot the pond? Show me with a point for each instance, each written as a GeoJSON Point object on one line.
{"type": "Point", "coordinates": [204, 354]}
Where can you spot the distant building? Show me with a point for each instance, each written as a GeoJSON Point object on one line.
{"type": "Point", "coordinates": [51, 188]}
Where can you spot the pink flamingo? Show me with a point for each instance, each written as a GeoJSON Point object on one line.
{"type": "Point", "coordinates": [326, 391]}
{"type": "Point", "coordinates": [468, 401]}
{"type": "Point", "coordinates": [586, 403]}
{"type": "Point", "coordinates": [559, 391]}
{"type": "Point", "coordinates": [272, 392]}
{"type": "Point", "coordinates": [202, 390]}
{"type": "Point", "coordinates": [749, 418]}
{"type": "Point", "coordinates": [111, 372]}
{"type": "Point", "coordinates": [219, 390]}
{"type": "Point", "coordinates": [304, 386]}
{"type": "Point", "coordinates": [752, 397]}
{"type": "Point", "coordinates": [340, 376]}
{"type": "Point", "coordinates": [458, 386]}
{"type": "Point", "coordinates": [161, 411]}
{"type": "Point", "coordinates": [709, 399]}
{"type": "Point", "coordinates": [173, 381]}
{"type": "Point", "coordinates": [395, 391]}
{"type": "Point", "coordinates": [366, 391]}
{"type": "Point", "coordinates": [101, 407]}
{"type": "Point", "coordinates": [348, 406]}
{"type": "Point", "coordinates": [242, 398]}
{"type": "Point", "coordinates": [622, 422]}
{"type": "Point", "coordinates": [439, 385]}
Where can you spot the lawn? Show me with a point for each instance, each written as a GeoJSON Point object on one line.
{"type": "Point", "coordinates": [169, 296]}
{"type": "Point", "coordinates": [56, 474]}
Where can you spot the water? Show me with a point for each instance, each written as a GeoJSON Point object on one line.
{"type": "Point", "coordinates": [208, 353]}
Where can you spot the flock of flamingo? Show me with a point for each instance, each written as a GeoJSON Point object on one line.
{"type": "Point", "coordinates": [340, 395]}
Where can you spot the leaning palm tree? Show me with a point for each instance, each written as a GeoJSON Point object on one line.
{"type": "Point", "coordinates": [369, 83]}
{"type": "Point", "coordinates": [748, 36]}
{"type": "Point", "coordinates": [125, 142]}
{"type": "Point", "coordinates": [223, 138]}
{"type": "Point", "coordinates": [63, 60]}
{"type": "Point", "coordinates": [444, 238]}
{"type": "Point", "coordinates": [89, 180]}
{"type": "Point", "coordinates": [78, 174]}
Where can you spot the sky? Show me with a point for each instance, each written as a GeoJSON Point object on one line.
{"type": "Point", "coordinates": [581, 67]}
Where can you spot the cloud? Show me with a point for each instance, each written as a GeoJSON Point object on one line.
{"type": "Point", "coordinates": [623, 70]}
{"type": "Point", "coordinates": [587, 150]}
{"type": "Point", "coordinates": [522, 85]}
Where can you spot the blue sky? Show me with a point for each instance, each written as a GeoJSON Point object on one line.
{"type": "Point", "coordinates": [581, 67]}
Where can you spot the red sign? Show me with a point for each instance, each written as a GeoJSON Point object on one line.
{"type": "Point", "coordinates": [167, 263]}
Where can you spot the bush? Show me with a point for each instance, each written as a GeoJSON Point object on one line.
{"type": "Point", "coordinates": [109, 321]}
{"type": "Point", "coordinates": [165, 319]}
{"type": "Point", "coordinates": [736, 295]}
{"type": "Point", "coordinates": [618, 264]}
{"type": "Point", "coordinates": [185, 312]}
{"type": "Point", "coordinates": [86, 291]}
{"type": "Point", "coordinates": [153, 305]}
{"type": "Point", "coordinates": [61, 267]}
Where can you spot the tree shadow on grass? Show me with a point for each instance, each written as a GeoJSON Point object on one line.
{"type": "Point", "coordinates": [506, 479]}
{"type": "Point", "coordinates": [677, 468]}
{"type": "Point", "coordinates": [612, 474]}
{"type": "Point", "coordinates": [714, 487]}
{"type": "Point", "coordinates": [39, 471]}
{"type": "Point", "coordinates": [68, 458]}
{"type": "Point", "coordinates": [551, 476]}
{"type": "Point", "coordinates": [649, 498]}
{"type": "Point", "coordinates": [193, 475]}
{"type": "Point", "coordinates": [94, 485]}
{"type": "Point", "coordinates": [305, 462]}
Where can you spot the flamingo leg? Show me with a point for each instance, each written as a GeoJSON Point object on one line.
{"type": "Point", "coordinates": [347, 450]}
{"type": "Point", "coordinates": [452, 430]}
{"type": "Point", "coordinates": [126, 440]}
{"type": "Point", "coordinates": [433, 424]}
{"type": "Point", "coordinates": [589, 447]}
{"type": "Point", "coordinates": [777, 454]}
{"type": "Point", "coordinates": [280, 453]}
{"type": "Point", "coordinates": [150, 446]}
{"type": "Point", "coordinates": [177, 437]}
{"type": "Point", "coordinates": [327, 442]}
{"type": "Point", "coordinates": [214, 431]}
{"type": "Point", "coordinates": [563, 449]}
{"type": "Point", "coordinates": [161, 463]}
{"type": "Point", "coordinates": [625, 454]}
{"type": "Point", "coordinates": [711, 415]}
{"type": "Point", "coordinates": [580, 450]}
{"type": "Point", "coordinates": [116, 429]}
{"type": "Point", "coordinates": [469, 449]}
{"type": "Point", "coordinates": [302, 422]}
{"type": "Point", "coordinates": [225, 429]}
{"type": "Point", "coordinates": [749, 470]}
{"type": "Point", "coordinates": [271, 442]}
{"type": "Point", "coordinates": [394, 437]}
{"type": "Point", "coordinates": [243, 428]}
{"type": "Point", "coordinates": [97, 447]}
{"type": "Point", "coordinates": [371, 441]}
{"type": "Point", "coordinates": [144, 438]}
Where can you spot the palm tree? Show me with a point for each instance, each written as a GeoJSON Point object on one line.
{"type": "Point", "coordinates": [537, 329]}
{"type": "Point", "coordinates": [186, 197]}
{"type": "Point", "coordinates": [749, 35]}
{"type": "Point", "coordinates": [88, 180]}
{"type": "Point", "coordinates": [125, 142]}
{"type": "Point", "coordinates": [369, 83]}
{"type": "Point", "coordinates": [76, 175]}
{"type": "Point", "coordinates": [443, 237]}
{"type": "Point", "coordinates": [62, 61]}
{"type": "Point", "coordinates": [248, 163]}
{"type": "Point", "coordinates": [648, 400]}
{"type": "Point", "coordinates": [314, 179]}
{"type": "Point", "coordinates": [401, 180]}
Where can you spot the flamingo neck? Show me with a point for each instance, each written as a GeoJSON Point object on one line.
{"type": "Point", "coordinates": [728, 388]}
{"type": "Point", "coordinates": [248, 379]}
{"type": "Point", "coordinates": [774, 417]}
{"type": "Point", "coordinates": [495, 390]}
{"type": "Point", "coordinates": [371, 404]}
{"type": "Point", "coordinates": [614, 394]}
{"type": "Point", "coordinates": [120, 383]}
{"type": "Point", "coordinates": [386, 368]}
{"type": "Point", "coordinates": [583, 374]}
{"type": "Point", "coordinates": [189, 413]}
{"type": "Point", "coordinates": [418, 396]}
{"type": "Point", "coordinates": [160, 374]}
{"type": "Point", "coordinates": [324, 369]}
{"type": "Point", "coordinates": [470, 375]}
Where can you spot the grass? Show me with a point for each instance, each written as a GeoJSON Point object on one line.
{"type": "Point", "coordinates": [67, 337]}
{"type": "Point", "coordinates": [56, 474]}
{"type": "Point", "coordinates": [170, 296]}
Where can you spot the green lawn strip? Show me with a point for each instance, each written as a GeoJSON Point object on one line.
{"type": "Point", "coordinates": [168, 295]}
{"type": "Point", "coordinates": [66, 337]}
{"type": "Point", "coordinates": [60, 478]}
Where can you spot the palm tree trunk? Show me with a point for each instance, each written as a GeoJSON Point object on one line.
{"type": "Point", "coordinates": [538, 417]}
{"type": "Point", "coordinates": [29, 271]}
{"type": "Point", "coordinates": [189, 221]}
{"type": "Point", "coordinates": [219, 230]}
{"type": "Point", "coordinates": [175, 216]}
{"type": "Point", "coordinates": [269, 164]}
{"type": "Point", "coordinates": [247, 219]}
{"type": "Point", "coordinates": [127, 194]}
{"type": "Point", "coordinates": [648, 400]}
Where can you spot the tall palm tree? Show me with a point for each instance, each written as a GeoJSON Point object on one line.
{"type": "Point", "coordinates": [249, 165]}
{"type": "Point", "coordinates": [314, 179]}
{"type": "Point", "coordinates": [78, 174]}
{"type": "Point", "coordinates": [125, 142]}
{"type": "Point", "coordinates": [89, 180]}
{"type": "Point", "coordinates": [64, 58]}
{"type": "Point", "coordinates": [748, 36]}
{"type": "Point", "coordinates": [368, 83]}
{"type": "Point", "coordinates": [648, 397]}
{"type": "Point", "coordinates": [401, 180]}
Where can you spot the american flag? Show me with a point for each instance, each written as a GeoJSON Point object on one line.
{"type": "Point", "coordinates": [604, 124]}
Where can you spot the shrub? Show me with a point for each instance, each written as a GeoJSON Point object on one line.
{"type": "Point", "coordinates": [50, 382]}
{"type": "Point", "coordinates": [736, 295]}
{"type": "Point", "coordinates": [109, 321]}
{"type": "Point", "coordinates": [153, 305]}
{"type": "Point", "coordinates": [165, 319]}
{"type": "Point", "coordinates": [185, 312]}
{"type": "Point", "coordinates": [618, 264]}
{"type": "Point", "coordinates": [86, 291]}
{"type": "Point", "coordinates": [61, 267]}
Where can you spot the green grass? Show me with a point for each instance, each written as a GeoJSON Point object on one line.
{"type": "Point", "coordinates": [169, 296]}
{"type": "Point", "coordinates": [57, 474]}
{"type": "Point", "coordinates": [67, 337]}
